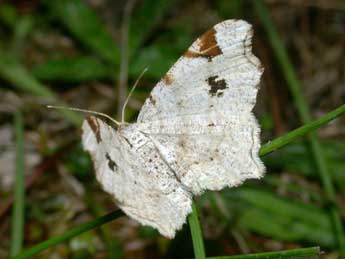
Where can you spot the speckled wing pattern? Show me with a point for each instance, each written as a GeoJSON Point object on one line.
{"type": "Point", "coordinates": [200, 114]}
{"type": "Point", "coordinates": [129, 167]}
{"type": "Point", "coordinates": [195, 132]}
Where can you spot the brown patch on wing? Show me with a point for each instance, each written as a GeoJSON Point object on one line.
{"type": "Point", "coordinates": [167, 79]}
{"type": "Point", "coordinates": [192, 54]}
{"type": "Point", "coordinates": [94, 125]}
{"type": "Point", "coordinates": [216, 86]}
{"type": "Point", "coordinates": [208, 46]}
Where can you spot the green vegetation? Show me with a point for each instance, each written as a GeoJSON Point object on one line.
{"type": "Point", "coordinates": [69, 53]}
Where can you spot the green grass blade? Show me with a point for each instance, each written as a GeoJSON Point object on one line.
{"type": "Point", "coordinates": [17, 231]}
{"type": "Point", "coordinates": [82, 22]}
{"type": "Point", "coordinates": [283, 60]}
{"type": "Point", "coordinates": [301, 131]}
{"type": "Point", "coordinates": [304, 113]}
{"type": "Point", "coordinates": [279, 218]}
{"type": "Point", "coordinates": [17, 75]}
{"type": "Point", "coordinates": [113, 246]}
{"type": "Point", "coordinates": [195, 229]}
{"type": "Point", "coordinates": [69, 234]}
{"type": "Point", "coordinates": [293, 253]}
{"type": "Point", "coordinates": [73, 69]}
{"type": "Point", "coordinates": [141, 27]}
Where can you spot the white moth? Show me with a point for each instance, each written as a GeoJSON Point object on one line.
{"type": "Point", "coordinates": [195, 132]}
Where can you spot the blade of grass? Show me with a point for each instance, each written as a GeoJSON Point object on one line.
{"type": "Point", "coordinates": [17, 75]}
{"type": "Point", "coordinates": [141, 27]}
{"type": "Point", "coordinates": [82, 22]}
{"type": "Point", "coordinates": [123, 73]}
{"type": "Point", "coordinates": [303, 110]}
{"type": "Point", "coordinates": [17, 231]}
{"type": "Point", "coordinates": [113, 245]}
{"type": "Point", "coordinates": [73, 69]}
{"type": "Point", "coordinates": [195, 229]}
{"type": "Point", "coordinates": [293, 253]}
{"type": "Point", "coordinates": [69, 234]}
{"type": "Point", "coordinates": [301, 131]}
{"type": "Point", "coordinates": [280, 206]}
{"type": "Point", "coordinates": [296, 157]}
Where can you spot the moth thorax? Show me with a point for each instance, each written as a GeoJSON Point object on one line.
{"type": "Point", "coordinates": [133, 137]}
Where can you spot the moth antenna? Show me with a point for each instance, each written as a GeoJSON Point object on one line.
{"type": "Point", "coordinates": [85, 111]}
{"type": "Point", "coordinates": [129, 95]}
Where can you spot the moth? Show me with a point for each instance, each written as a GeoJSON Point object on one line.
{"type": "Point", "coordinates": [195, 132]}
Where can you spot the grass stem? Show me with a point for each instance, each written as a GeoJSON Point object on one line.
{"type": "Point", "coordinates": [301, 131]}
{"type": "Point", "coordinates": [195, 229]}
{"type": "Point", "coordinates": [293, 253]}
{"type": "Point", "coordinates": [69, 234]}
{"type": "Point", "coordinates": [17, 231]}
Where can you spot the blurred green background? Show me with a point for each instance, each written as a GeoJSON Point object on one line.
{"type": "Point", "coordinates": [87, 54]}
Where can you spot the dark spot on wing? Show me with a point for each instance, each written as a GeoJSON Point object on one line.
{"type": "Point", "coordinates": [208, 47]}
{"type": "Point", "coordinates": [167, 79]}
{"type": "Point", "coordinates": [211, 124]}
{"type": "Point", "coordinates": [216, 86]}
{"type": "Point", "coordinates": [129, 143]}
{"type": "Point", "coordinates": [112, 165]}
{"type": "Point", "coordinates": [153, 101]}
{"type": "Point", "coordinates": [94, 125]}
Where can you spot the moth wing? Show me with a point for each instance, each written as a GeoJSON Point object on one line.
{"type": "Point", "coordinates": [208, 152]}
{"type": "Point", "coordinates": [146, 191]}
{"type": "Point", "coordinates": [217, 73]}
{"type": "Point", "coordinates": [200, 113]}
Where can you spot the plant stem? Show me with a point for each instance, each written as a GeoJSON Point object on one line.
{"type": "Point", "coordinates": [69, 234]}
{"type": "Point", "coordinates": [293, 253]}
{"type": "Point", "coordinates": [195, 229]}
{"type": "Point", "coordinates": [301, 131]}
{"type": "Point", "coordinates": [112, 244]}
{"type": "Point", "coordinates": [303, 110]}
{"type": "Point", "coordinates": [17, 230]}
